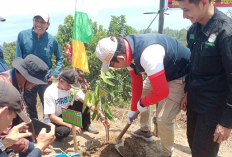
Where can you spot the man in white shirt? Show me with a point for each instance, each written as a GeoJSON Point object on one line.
{"type": "Point", "coordinates": [57, 96]}
{"type": "Point", "coordinates": [165, 61]}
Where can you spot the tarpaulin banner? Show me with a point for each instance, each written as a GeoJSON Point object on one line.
{"type": "Point", "coordinates": [216, 3]}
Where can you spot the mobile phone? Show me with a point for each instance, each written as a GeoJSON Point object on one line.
{"type": "Point", "coordinates": [38, 125]}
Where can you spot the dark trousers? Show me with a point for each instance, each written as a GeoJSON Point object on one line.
{"type": "Point", "coordinates": [200, 136]}
{"type": "Point", "coordinates": [30, 97]}
{"type": "Point", "coordinates": [63, 131]}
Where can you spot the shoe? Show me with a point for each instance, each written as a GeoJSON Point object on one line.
{"type": "Point", "coordinates": [165, 156]}
{"type": "Point", "coordinates": [59, 139]}
{"type": "Point", "coordinates": [91, 129]}
{"type": "Point", "coordinates": [146, 136]}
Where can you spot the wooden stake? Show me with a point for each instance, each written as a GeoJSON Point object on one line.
{"type": "Point", "coordinates": [74, 138]}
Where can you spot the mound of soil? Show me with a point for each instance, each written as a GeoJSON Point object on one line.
{"type": "Point", "coordinates": [107, 149]}
{"type": "Point", "coordinates": [131, 148]}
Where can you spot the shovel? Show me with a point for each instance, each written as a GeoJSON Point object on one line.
{"type": "Point", "coordinates": [118, 140]}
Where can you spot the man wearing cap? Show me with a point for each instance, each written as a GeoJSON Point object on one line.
{"type": "Point", "coordinates": [3, 66]}
{"type": "Point", "coordinates": [27, 73]}
{"type": "Point", "coordinates": [40, 43]}
{"type": "Point", "coordinates": [57, 96]}
{"type": "Point", "coordinates": [10, 108]}
{"type": "Point", "coordinates": [165, 61]}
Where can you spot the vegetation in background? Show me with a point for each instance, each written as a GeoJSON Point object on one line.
{"type": "Point", "coordinates": [9, 55]}
{"type": "Point", "coordinates": [180, 35]}
{"type": "Point", "coordinates": [117, 27]}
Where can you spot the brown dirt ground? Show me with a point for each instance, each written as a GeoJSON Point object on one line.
{"type": "Point", "coordinates": [95, 145]}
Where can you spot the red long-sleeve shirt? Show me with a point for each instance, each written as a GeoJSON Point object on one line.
{"type": "Point", "coordinates": [152, 62]}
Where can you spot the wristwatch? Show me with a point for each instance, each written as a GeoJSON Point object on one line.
{"type": "Point", "coordinates": [2, 147]}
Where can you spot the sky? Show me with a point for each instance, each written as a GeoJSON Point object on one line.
{"type": "Point", "coordinates": [19, 14]}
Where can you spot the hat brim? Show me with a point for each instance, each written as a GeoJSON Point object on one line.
{"type": "Point", "coordinates": [76, 85]}
{"type": "Point", "coordinates": [23, 116]}
{"type": "Point", "coordinates": [17, 64]}
{"type": "Point", "coordinates": [2, 19]}
{"type": "Point", "coordinates": [105, 67]}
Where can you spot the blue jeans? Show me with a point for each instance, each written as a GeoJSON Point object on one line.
{"type": "Point", "coordinates": [30, 148]}
{"type": "Point", "coordinates": [200, 136]}
{"type": "Point", "coordinates": [21, 154]}
{"type": "Point", "coordinates": [3, 154]}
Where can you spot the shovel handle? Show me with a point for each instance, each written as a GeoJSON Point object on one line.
{"type": "Point", "coordinates": [127, 126]}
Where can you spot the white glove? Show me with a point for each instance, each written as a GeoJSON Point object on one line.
{"type": "Point", "coordinates": [140, 108]}
{"type": "Point", "coordinates": [129, 116]}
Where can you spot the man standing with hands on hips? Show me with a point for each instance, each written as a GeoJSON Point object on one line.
{"type": "Point", "coordinates": [208, 89]}
{"type": "Point", "coordinates": [40, 43]}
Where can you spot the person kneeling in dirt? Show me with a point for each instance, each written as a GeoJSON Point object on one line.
{"type": "Point", "coordinates": [57, 96]}
{"type": "Point", "coordinates": [78, 106]}
{"type": "Point", "coordinates": [166, 62]}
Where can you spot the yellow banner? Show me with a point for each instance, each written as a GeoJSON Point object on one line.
{"type": "Point", "coordinates": [79, 57]}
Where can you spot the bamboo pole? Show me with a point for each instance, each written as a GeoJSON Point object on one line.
{"type": "Point", "coordinates": [73, 126]}
{"type": "Point", "coordinates": [74, 138]}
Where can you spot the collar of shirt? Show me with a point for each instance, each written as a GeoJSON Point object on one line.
{"type": "Point", "coordinates": [128, 51]}
{"type": "Point", "coordinates": [35, 35]}
{"type": "Point", "coordinates": [210, 24]}
{"type": "Point", "coordinates": [12, 74]}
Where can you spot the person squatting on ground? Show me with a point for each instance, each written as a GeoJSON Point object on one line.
{"type": "Point", "coordinates": [10, 108]}
{"type": "Point", "coordinates": [78, 105]}
{"type": "Point", "coordinates": [209, 85]}
{"type": "Point", "coordinates": [42, 44]}
{"type": "Point", "coordinates": [166, 62]}
{"type": "Point", "coordinates": [57, 96]}
{"type": "Point", "coordinates": [27, 73]}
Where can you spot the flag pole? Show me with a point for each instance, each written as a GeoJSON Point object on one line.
{"type": "Point", "coordinates": [73, 126]}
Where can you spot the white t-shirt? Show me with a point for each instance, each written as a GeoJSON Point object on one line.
{"type": "Point", "coordinates": [55, 98]}
{"type": "Point", "coordinates": [152, 59]}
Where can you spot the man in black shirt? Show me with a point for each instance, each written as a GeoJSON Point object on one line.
{"type": "Point", "coordinates": [209, 83]}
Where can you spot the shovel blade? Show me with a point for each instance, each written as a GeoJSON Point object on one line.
{"type": "Point", "coordinates": [120, 143]}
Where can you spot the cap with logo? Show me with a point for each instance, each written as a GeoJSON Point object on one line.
{"type": "Point", "coordinates": [43, 14]}
{"type": "Point", "coordinates": [10, 97]}
{"type": "Point", "coordinates": [70, 76]}
{"type": "Point", "coordinates": [105, 51]}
